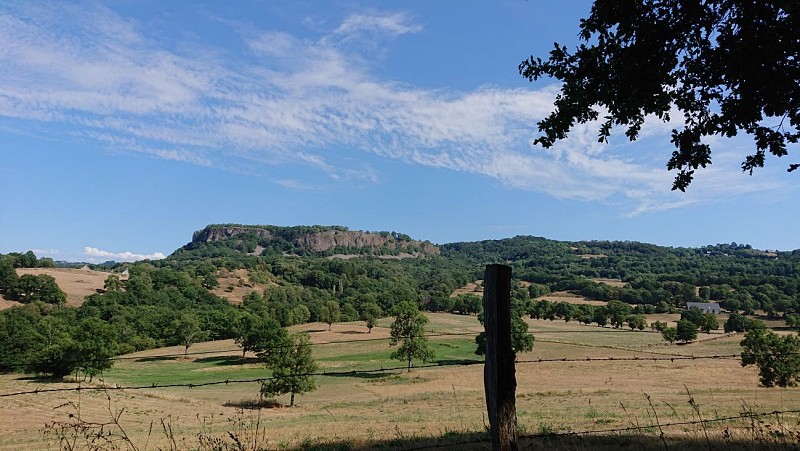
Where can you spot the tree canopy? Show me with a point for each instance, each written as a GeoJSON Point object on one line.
{"type": "Point", "coordinates": [727, 66]}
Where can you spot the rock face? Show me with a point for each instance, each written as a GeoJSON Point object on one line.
{"type": "Point", "coordinates": [321, 239]}
{"type": "Point", "coordinates": [332, 239]}
{"type": "Point", "coordinates": [213, 234]}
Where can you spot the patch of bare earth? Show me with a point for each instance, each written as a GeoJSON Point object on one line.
{"type": "Point", "coordinates": [235, 285]}
{"type": "Point", "coordinates": [612, 282]}
{"type": "Point", "coordinates": [470, 288]}
{"type": "Point", "coordinates": [77, 283]}
{"type": "Point", "coordinates": [564, 296]}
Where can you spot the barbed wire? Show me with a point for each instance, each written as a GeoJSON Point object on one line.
{"type": "Point", "coordinates": [631, 428]}
{"type": "Point", "coordinates": [487, 439]}
{"type": "Point", "coordinates": [389, 370]}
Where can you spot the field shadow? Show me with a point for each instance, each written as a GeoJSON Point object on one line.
{"type": "Point", "coordinates": [352, 332]}
{"type": "Point", "coordinates": [41, 379]}
{"type": "Point", "coordinates": [158, 359]}
{"type": "Point", "coordinates": [448, 362]}
{"type": "Point", "coordinates": [254, 404]}
{"type": "Point", "coordinates": [228, 360]}
{"type": "Point", "coordinates": [562, 442]}
{"type": "Point", "coordinates": [361, 375]}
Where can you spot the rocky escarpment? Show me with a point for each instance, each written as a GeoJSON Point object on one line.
{"type": "Point", "coordinates": [345, 239]}
{"type": "Point", "coordinates": [212, 234]}
{"type": "Point", "coordinates": [327, 240]}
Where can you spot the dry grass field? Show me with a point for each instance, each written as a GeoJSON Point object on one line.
{"type": "Point", "coordinates": [582, 391]}
{"type": "Point", "coordinates": [77, 283]}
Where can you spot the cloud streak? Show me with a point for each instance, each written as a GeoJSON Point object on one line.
{"type": "Point", "coordinates": [95, 254]}
{"type": "Point", "coordinates": [300, 101]}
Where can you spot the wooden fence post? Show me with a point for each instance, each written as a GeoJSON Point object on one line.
{"type": "Point", "coordinates": [498, 374]}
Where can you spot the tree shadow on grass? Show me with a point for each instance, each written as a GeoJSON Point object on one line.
{"type": "Point", "coordinates": [370, 375]}
{"type": "Point", "coordinates": [449, 362]}
{"type": "Point", "coordinates": [254, 404]}
{"type": "Point", "coordinates": [43, 379]}
{"type": "Point", "coordinates": [158, 358]}
{"type": "Point", "coordinates": [229, 360]}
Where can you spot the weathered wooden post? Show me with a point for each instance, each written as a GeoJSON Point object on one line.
{"type": "Point", "coordinates": [498, 374]}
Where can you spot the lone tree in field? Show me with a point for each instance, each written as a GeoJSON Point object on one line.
{"type": "Point", "coordinates": [408, 329]}
{"type": "Point", "coordinates": [186, 331]}
{"type": "Point", "coordinates": [777, 357]}
{"type": "Point", "coordinates": [726, 66]}
{"type": "Point", "coordinates": [370, 313]}
{"type": "Point", "coordinates": [292, 368]}
{"type": "Point", "coordinates": [330, 313]}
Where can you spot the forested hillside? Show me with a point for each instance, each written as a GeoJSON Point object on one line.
{"type": "Point", "coordinates": [332, 274]}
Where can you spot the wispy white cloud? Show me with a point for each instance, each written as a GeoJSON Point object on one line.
{"type": "Point", "coordinates": [95, 254]}
{"type": "Point", "coordinates": [397, 23]}
{"type": "Point", "coordinates": [300, 101]}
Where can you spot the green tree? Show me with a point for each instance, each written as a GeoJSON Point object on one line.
{"type": "Point", "coordinates": [617, 312]}
{"type": "Point", "coordinates": [259, 334]}
{"type": "Point", "coordinates": [521, 340]}
{"type": "Point", "coordinates": [777, 357]}
{"type": "Point", "coordinates": [687, 331]}
{"type": "Point", "coordinates": [736, 323]}
{"type": "Point", "coordinates": [8, 276]}
{"type": "Point", "coordinates": [709, 322]}
{"type": "Point", "coordinates": [670, 334]}
{"type": "Point", "coordinates": [292, 368]}
{"type": "Point", "coordinates": [694, 315]}
{"type": "Point", "coordinates": [39, 287]}
{"type": "Point", "coordinates": [408, 329]}
{"type": "Point", "coordinates": [600, 315]}
{"type": "Point", "coordinates": [95, 343]}
{"type": "Point", "coordinates": [112, 283]}
{"type": "Point", "coordinates": [565, 311]}
{"type": "Point", "coordinates": [370, 312]}
{"type": "Point", "coordinates": [636, 321]}
{"type": "Point", "coordinates": [186, 331]}
{"type": "Point", "coordinates": [645, 58]}
{"type": "Point", "coordinates": [330, 313]}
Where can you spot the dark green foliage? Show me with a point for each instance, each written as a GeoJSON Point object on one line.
{"type": "Point", "coordinates": [521, 340]}
{"type": "Point", "coordinates": [292, 368]}
{"type": "Point", "coordinates": [686, 331]}
{"type": "Point", "coordinates": [636, 322]}
{"type": "Point", "coordinates": [693, 315]}
{"type": "Point", "coordinates": [617, 313]}
{"type": "Point", "coordinates": [741, 323]}
{"type": "Point", "coordinates": [727, 66]}
{"type": "Point", "coordinates": [259, 333]}
{"type": "Point", "coordinates": [40, 287]}
{"type": "Point", "coordinates": [408, 330]}
{"type": "Point", "coordinates": [709, 322]}
{"type": "Point", "coordinates": [670, 334]}
{"type": "Point", "coordinates": [777, 357]}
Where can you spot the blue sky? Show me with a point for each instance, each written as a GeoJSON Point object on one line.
{"type": "Point", "coordinates": [126, 126]}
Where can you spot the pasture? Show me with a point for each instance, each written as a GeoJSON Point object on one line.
{"type": "Point", "coordinates": [576, 378]}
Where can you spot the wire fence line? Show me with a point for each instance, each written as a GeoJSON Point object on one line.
{"type": "Point", "coordinates": [619, 430]}
{"type": "Point", "coordinates": [225, 352]}
{"type": "Point", "coordinates": [355, 373]}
